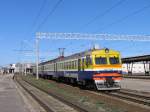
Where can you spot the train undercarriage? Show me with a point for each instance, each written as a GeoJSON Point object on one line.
{"type": "Point", "coordinates": [108, 84]}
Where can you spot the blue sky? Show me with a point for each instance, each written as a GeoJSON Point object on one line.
{"type": "Point", "coordinates": [18, 23]}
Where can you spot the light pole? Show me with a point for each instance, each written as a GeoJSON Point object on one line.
{"type": "Point", "coordinates": [37, 56]}
{"type": "Point", "coordinates": [25, 69]}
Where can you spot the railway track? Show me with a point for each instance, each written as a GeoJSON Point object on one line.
{"type": "Point", "coordinates": [132, 96]}
{"type": "Point", "coordinates": [34, 96]}
{"type": "Point", "coordinates": [138, 77]}
{"type": "Point", "coordinates": [128, 95]}
{"type": "Point", "coordinates": [42, 99]}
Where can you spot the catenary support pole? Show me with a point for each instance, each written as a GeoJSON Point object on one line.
{"type": "Point", "coordinates": [25, 69]}
{"type": "Point", "coordinates": [37, 57]}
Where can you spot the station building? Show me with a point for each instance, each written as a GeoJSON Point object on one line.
{"type": "Point", "coordinates": [20, 68]}
{"type": "Point", "coordinates": [139, 65]}
{"type": "Point", "coordinates": [136, 69]}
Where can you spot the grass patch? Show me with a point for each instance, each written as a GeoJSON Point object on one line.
{"type": "Point", "coordinates": [83, 99]}
{"type": "Point", "coordinates": [71, 95]}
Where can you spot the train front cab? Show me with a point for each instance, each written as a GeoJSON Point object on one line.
{"type": "Point", "coordinates": [107, 69]}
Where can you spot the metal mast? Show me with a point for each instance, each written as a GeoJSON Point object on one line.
{"type": "Point", "coordinates": [37, 56]}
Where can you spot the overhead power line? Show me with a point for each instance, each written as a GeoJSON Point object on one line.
{"type": "Point", "coordinates": [125, 17]}
{"type": "Point", "coordinates": [104, 13]}
{"type": "Point", "coordinates": [49, 14]}
{"type": "Point", "coordinates": [33, 26]}
{"type": "Point", "coordinates": [39, 13]}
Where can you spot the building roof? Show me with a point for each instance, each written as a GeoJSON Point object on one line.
{"type": "Point", "coordinates": [136, 59]}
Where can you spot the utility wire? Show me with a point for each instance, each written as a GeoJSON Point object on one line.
{"type": "Point", "coordinates": [125, 17]}
{"type": "Point", "coordinates": [104, 13]}
{"type": "Point", "coordinates": [39, 13]}
{"type": "Point", "coordinates": [36, 19]}
{"type": "Point", "coordinates": [49, 14]}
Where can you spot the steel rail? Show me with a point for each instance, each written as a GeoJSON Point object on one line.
{"type": "Point", "coordinates": [75, 106]}
{"type": "Point", "coordinates": [133, 97]}
{"type": "Point", "coordinates": [35, 97]}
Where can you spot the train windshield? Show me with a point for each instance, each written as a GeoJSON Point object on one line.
{"type": "Point", "coordinates": [114, 60]}
{"type": "Point", "coordinates": [100, 60]}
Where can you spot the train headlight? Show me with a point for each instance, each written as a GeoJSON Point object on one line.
{"type": "Point", "coordinates": [106, 50]}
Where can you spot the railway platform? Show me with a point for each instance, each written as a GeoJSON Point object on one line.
{"type": "Point", "coordinates": [11, 97]}
{"type": "Point", "coordinates": [141, 85]}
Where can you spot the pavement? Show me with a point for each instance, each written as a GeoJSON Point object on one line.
{"type": "Point", "coordinates": [10, 98]}
{"type": "Point", "coordinates": [142, 85]}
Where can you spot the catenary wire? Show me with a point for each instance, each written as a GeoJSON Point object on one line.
{"type": "Point", "coordinates": [124, 18]}
{"type": "Point", "coordinates": [39, 13]}
{"type": "Point", "coordinates": [49, 14]}
{"type": "Point", "coordinates": [104, 13]}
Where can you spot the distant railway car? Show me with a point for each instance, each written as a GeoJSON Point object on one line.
{"type": "Point", "coordinates": [99, 67]}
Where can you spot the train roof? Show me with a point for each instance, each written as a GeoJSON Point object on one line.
{"type": "Point", "coordinates": [73, 56]}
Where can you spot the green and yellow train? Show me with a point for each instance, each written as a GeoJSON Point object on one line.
{"type": "Point", "coordinates": [99, 67]}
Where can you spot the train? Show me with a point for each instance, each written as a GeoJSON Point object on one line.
{"type": "Point", "coordinates": [99, 68]}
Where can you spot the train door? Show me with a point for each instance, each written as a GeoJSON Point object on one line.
{"type": "Point", "coordinates": [42, 69]}
{"type": "Point", "coordinates": [83, 64]}
{"type": "Point", "coordinates": [79, 65]}
{"type": "Point", "coordinates": [55, 67]}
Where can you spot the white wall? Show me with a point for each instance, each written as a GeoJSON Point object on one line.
{"type": "Point", "coordinates": [137, 68]}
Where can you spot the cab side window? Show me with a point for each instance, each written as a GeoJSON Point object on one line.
{"type": "Point", "coordinates": [88, 60]}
